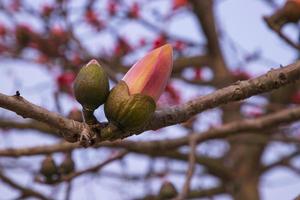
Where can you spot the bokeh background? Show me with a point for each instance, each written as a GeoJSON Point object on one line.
{"type": "Point", "coordinates": [43, 44]}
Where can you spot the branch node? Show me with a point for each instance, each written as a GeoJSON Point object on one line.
{"type": "Point", "coordinates": [87, 137]}
{"type": "Point", "coordinates": [18, 93]}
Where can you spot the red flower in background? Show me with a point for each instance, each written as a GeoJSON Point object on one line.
{"type": "Point", "coordinates": [47, 10]}
{"type": "Point", "coordinates": [76, 59]}
{"type": "Point", "coordinates": [255, 112]}
{"type": "Point", "coordinates": [159, 41]}
{"type": "Point", "coordinates": [92, 18]}
{"type": "Point", "coordinates": [296, 98]}
{"type": "Point", "coordinates": [142, 42]}
{"type": "Point", "coordinates": [65, 81]}
{"type": "Point", "coordinates": [24, 35]}
{"type": "Point", "coordinates": [179, 45]}
{"type": "Point", "coordinates": [58, 37]}
{"type": "Point", "coordinates": [241, 75]}
{"type": "Point", "coordinates": [134, 11]}
{"type": "Point", "coordinates": [179, 3]}
{"type": "Point", "coordinates": [3, 48]}
{"type": "Point", "coordinates": [42, 59]}
{"type": "Point", "coordinates": [15, 5]}
{"type": "Point", "coordinates": [198, 74]}
{"type": "Point", "coordinates": [57, 31]}
{"type": "Point", "coordinates": [3, 30]}
{"type": "Point", "coordinates": [112, 7]}
{"type": "Point", "coordinates": [173, 95]}
{"type": "Point", "coordinates": [122, 47]}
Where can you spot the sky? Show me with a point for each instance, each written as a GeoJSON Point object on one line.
{"type": "Point", "coordinates": [241, 21]}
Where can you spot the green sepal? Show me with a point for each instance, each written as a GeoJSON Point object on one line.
{"type": "Point", "coordinates": [128, 111]}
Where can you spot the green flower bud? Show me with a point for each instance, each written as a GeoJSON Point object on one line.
{"type": "Point", "coordinates": [49, 169]}
{"type": "Point", "coordinates": [91, 86]}
{"type": "Point", "coordinates": [68, 165]}
{"type": "Point", "coordinates": [128, 111]}
{"type": "Point", "coordinates": [167, 191]}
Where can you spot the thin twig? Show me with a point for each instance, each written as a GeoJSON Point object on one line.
{"type": "Point", "coordinates": [94, 169]}
{"type": "Point", "coordinates": [281, 34]}
{"type": "Point", "coordinates": [191, 169]}
{"type": "Point", "coordinates": [68, 191]}
{"type": "Point", "coordinates": [26, 192]}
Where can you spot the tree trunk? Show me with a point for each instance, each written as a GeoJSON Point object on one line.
{"type": "Point", "coordinates": [244, 158]}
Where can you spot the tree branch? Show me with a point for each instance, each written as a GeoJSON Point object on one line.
{"type": "Point", "coordinates": [206, 192]}
{"type": "Point", "coordinates": [205, 14]}
{"type": "Point", "coordinates": [237, 127]}
{"type": "Point", "coordinates": [93, 169]}
{"type": "Point", "coordinates": [166, 117]}
{"type": "Point", "coordinates": [190, 171]}
{"type": "Point", "coordinates": [26, 192]}
{"type": "Point", "coordinates": [274, 79]}
{"type": "Point", "coordinates": [30, 125]}
{"type": "Point", "coordinates": [285, 160]}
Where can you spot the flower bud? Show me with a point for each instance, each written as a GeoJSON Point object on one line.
{"type": "Point", "coordinates": [289, 13]}
{"type": "Point", "coordinates": [150, 75]}
{"type": "Point", "coordinates": [49, 169]}
{"type": "Point", "coordinates": [132, 101]}
{"type": "Point", "coordinates": [68, 165]}
{"type": "Point", "coordinates": [91, 86]}
{"type": "Point", "coordinates": [167, 191]}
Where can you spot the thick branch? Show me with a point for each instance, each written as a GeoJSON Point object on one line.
{"type": "Point", "coordinates": [194, 61]}
{"type": "Point", "coordinates": [166, 117]}
{"type": "Point", "coordinates": [205, 14]}
{"type": "Point", "coordinates": [247, 125]}
{"type": "Point", "coordinates": [26, 109]}
{"type": "Point", "coordinates": [235, 92]}
{"type": "Point", "coordinates": [31, 125]}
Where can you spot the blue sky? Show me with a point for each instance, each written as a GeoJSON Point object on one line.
{"type": "Point", "coordinates": [241, 21]}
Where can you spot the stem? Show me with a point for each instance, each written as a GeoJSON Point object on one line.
{"type": "Point", "coordinates": [88, 116]}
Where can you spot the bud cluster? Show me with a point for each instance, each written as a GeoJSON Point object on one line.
{"type": "Point", "coordinates": [51, 172]}
{"type": "Point", "coordinates": [132, 102]}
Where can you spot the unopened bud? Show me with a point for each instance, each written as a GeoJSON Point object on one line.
{"type": "Point", "coordinates": [167, 191]}
{"type": "Point", "coordinates": [91, 86]}
{"type": "Point", "coordinates": [49, 169]}
{"type": "Point", "coordinates": [132, 102]}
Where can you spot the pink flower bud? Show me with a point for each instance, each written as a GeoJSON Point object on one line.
{"type": "Point", "coordinates": [149, 76]}
{"type": "Point", "coordinates": [132, 102]}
